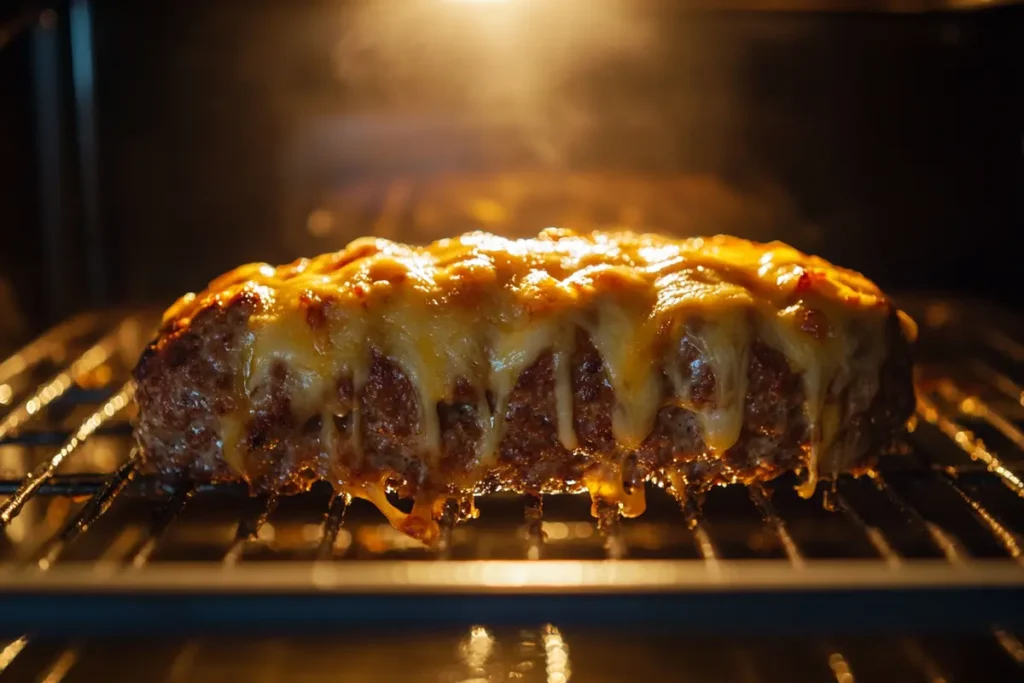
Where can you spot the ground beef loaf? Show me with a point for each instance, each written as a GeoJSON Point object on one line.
{"type": "Point", "coordinates": [185, 382]}
{"type": "Point", "coordinates": [206, 414]}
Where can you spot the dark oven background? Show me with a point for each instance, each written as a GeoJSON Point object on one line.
{"type": "Point", "coordinates": [176, 140]}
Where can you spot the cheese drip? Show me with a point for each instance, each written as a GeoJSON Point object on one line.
{"type": "Point", "coordinates": [725, 343]}
{"type": "Point", "coordinates": [482, 309]}
{"type": "Point", "coordinates": [819, 362]}
{"type": "Point", "coordinates": [626, 341]}
{"type": "Point", "coordinates": [563, 390]}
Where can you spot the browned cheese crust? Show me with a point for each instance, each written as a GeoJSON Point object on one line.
{"type": "Point", "coordinates": [345, 369]}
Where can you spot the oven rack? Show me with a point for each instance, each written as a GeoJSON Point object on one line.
{"type": "Point", "coordinates": [930, 541]}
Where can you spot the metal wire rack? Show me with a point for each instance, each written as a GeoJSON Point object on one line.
{"type": "Point", "coordinates": [929, 543]}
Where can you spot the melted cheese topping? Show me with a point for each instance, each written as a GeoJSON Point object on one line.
{"type": "Point", "coordinates": [484, 308]}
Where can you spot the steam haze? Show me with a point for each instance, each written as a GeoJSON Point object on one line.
{"type": "Point", "coordinates": [595, 85]}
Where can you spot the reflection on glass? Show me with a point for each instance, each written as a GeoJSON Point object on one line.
{"type": "Point", "coordinates": [474, 650]}
{"type": "Point", "coordinates": [557, 653]}
{"type": "Point", "coordinates": [10, 651]}
{"type": "Point", "coordinates": [533, 655]}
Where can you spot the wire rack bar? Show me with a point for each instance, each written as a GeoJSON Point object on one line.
{"type": "Point", "coordinates": [1011, 645]}
{"type": "Point", "coordinates": [42, 474]}
{"type": "Point", "coordinates": [695, 521]}
{"type": "Point", "coordinates": [162, 518]}
{"type": "Point", "coordinates": [976, 407]}
{"type": "Point", "coordinates": [449, 516]}
{"type": "Point", "coordinates": [60, 667]}
{"type": "Point", "coordinates": [249, 527]}
{"type": "Point", "coordinates": [965, 439]}
{"type": "Point", "coordinates": [90, 512]}
{"type": "Point", "coordinates": [875, 536]}
{"type": "Point", "coordinates": [184, 661]}
{"type": "Point", "coordinates": [334, 518]}
{"type": "Point", "coordinates": [56, 387]}
{"type": "Point", "coordinates": [534, 516]}
{"type": "Point", "coordinates": [1001, 342]}
{"type": "Point", "coordinates": [1001, 382]}
{"type": "Point", "coordinates": [944, 542]}
{"type": "Point", "coordinates": [46, 346]}
{"type": "Point", "coordinates": [922, 661]}
{"type": "Point", "coordinates": [759, 496]}
{"type": "Point", "coordinates": [10, 650]}
{"type": "Point", "coordinates": [609, 523]}
{"type": "Point", "coordinates": [1009, 539]}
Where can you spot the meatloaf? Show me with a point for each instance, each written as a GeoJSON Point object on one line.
{"type": "Point", "coordinates": [563, 363]}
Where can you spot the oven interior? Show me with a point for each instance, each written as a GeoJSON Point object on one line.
{"type": "Point", "coordinates": [913, 573]}
{"type": "Point", "coordinates": [173, 141]}
{"type": "Point", "coordinates": [884, 136]}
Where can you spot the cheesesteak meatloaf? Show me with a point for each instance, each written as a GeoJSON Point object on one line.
{"type": "Point", "coordinates": [556, 364]}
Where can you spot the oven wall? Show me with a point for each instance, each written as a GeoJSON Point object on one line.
{"type": "Point", "coordinates": [21, 287]}
{"type": "Point", "coordinates": [888, 143]}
